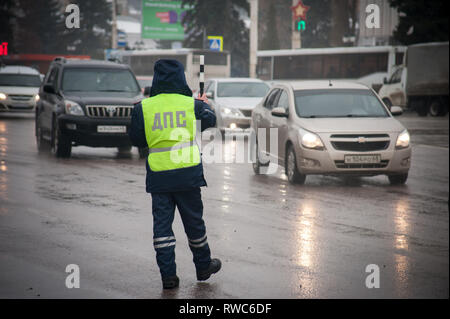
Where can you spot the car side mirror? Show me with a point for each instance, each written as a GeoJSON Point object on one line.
{"type": "Point", "coordinates": [385, 81]}
{"type": "Point", "coordinates": [210, 95]}
{"type": "Point", "coordinates": [147, 90]}
{"type": "Point", "coordinates": [48, 88]}
{"type": "Point", "coordinates": [279, 112]}
{"type": "Point", "coordinates": [396, 110]}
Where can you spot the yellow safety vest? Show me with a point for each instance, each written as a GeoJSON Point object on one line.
{"type": "Point", "coordinates": [170, 129]}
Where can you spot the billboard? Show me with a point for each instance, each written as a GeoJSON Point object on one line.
{"type": "Point", "coordinates": [162, 20]}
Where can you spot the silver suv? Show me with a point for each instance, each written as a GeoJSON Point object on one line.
{"type": "Point", "coordinates": [333, 128]}
{"type": "Point", "coordinates": [19, 88]}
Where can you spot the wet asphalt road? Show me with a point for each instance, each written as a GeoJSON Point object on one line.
{"type": "Point", "coordinates": [275, 240]}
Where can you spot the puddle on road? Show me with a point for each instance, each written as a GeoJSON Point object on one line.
{"type": "Point", "coordinates": [3, 186]}
{"type": "Point", "coordinates": [401, 242]}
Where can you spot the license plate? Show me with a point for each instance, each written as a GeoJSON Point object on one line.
{"type": "Point", "coordinates": [111, 129]}
{"type": "Point", "coordinates": [362, 159]}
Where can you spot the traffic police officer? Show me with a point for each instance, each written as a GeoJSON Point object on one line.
{"type": "Point", "coordinates": [166, 123]}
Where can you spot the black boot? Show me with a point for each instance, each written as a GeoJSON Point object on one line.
{"type": "Point", "coordinates": [170, 282]}
{"type": "Point", "coordinates": [214, 267]}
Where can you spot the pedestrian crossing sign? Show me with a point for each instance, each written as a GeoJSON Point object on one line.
{"type": "Point", "coordinates": [215, 43]}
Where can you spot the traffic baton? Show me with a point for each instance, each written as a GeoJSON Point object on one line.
{"type": "Point", "coordinates": [202, 74]}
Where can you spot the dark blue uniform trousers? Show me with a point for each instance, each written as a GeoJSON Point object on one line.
{"type": "Point", "coordinates": [190, 206]}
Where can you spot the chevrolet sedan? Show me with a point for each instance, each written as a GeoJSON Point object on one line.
{"type": "Point", "coordinates": [330, 128]}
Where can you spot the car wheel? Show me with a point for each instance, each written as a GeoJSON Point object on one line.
{"type": "Point", "coordinates": [292, 172]}
{"type": "Point", "coordinates": [42, 144]}
{"type": "Point", "coordinates": [257, 165]}
{"type": "Point", "coordinates": [398, 179]}
{"type": "Point", "coordinates": [143, 152]}
{"type": "Point", "coordinates": [436, 108]}
{"type": "Point", "coordinates": [61, 145]}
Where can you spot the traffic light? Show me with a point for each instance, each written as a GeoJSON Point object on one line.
{"type": "Point", "coordinates": [301, 25]}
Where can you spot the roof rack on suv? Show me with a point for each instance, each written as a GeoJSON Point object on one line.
{"type": "Point", "coordinates": [60, 59]}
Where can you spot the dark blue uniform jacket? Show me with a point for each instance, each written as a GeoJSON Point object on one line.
{"type": "Point", "coordinates": [169, 78]}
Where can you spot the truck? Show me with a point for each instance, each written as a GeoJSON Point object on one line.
{"type": "Point", "coordinates": [421, 83]}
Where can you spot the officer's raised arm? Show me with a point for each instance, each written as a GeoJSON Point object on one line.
{"type": "Point", "coordinates": [204, 113]}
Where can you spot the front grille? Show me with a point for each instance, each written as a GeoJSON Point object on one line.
{"type": "Point", "coordinates": [247, 113]}
{"type": "Point", "coordinates": [359, 135]}
{"type": "Point", "coordinates": [360, 147]}
{"type": "Point", "coordinates": [20, 107]}
{"type": "Point", "coordinates": [115, 111]}
{"type": "Point", "coordinates": [342, 164]}
{"type": "Point", "coordinates": [20, 97]}
{"type": "Point", "coordinates": [360, 142]}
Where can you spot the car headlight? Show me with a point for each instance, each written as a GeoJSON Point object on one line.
{"type": "Point", "coordinates": [230, 111]}
{"type": "Point", "coordinates": [310, 140]}
{"type": "Point", "coordinates": [37, 97]}
{"type": "Point", "coordinates": [2, 96]}
{"type": "Point", "coordinates": [225, 110]}
{"type": "Point", "coordinates": [403, 140]}
{"type": "Point", "coordinates": [73, 108]}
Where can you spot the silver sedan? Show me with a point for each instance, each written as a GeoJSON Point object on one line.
{"type": "Point", "coordinates": [330, 128]}
{"type": "Point", "coordinates": [234, 99]}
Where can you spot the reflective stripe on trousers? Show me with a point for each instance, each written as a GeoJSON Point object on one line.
{"type": "Point", "coordinates": [162, 242]}
{"type": "Point", "coordinates": [197, 243]}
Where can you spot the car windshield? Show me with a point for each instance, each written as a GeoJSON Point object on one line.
{"type": "Point", "coordinates": [338, 103]}
{"type": "Point", "coordinates": [242, 89]}
{"type": "Point", "coordinates": [98, 80]}
{"type": "Point", "coordinates": [29, 80]}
